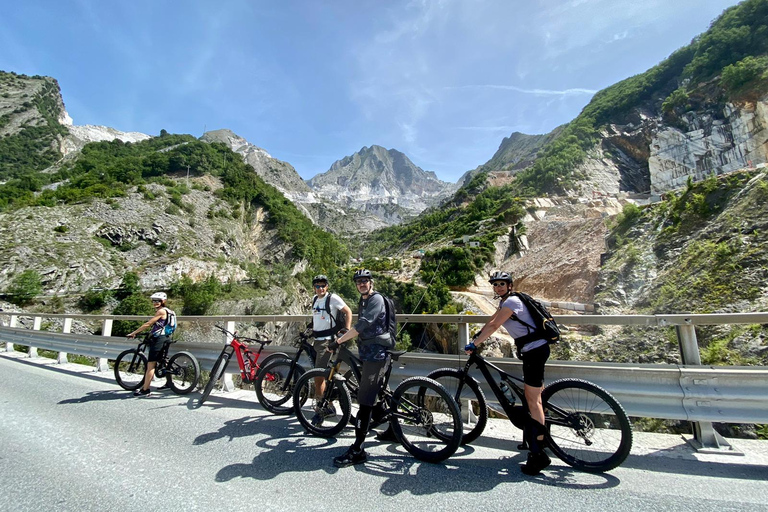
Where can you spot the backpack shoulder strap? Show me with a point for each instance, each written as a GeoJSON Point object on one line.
{"type": "Point", "coordinates": [522, 298]}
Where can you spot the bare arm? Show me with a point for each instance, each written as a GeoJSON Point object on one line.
{"type": "Point", "coordinates": [161, 314]}
{"type": "Point", "coordinates": [496, 321]}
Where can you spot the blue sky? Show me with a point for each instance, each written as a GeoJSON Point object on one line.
{"type": "Point", "coordinates": [312, 81]}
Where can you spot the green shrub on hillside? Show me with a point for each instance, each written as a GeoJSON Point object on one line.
{"type": "Point", "coordinates": [136, 304]}
{"type": "Point", "coordinates": [25, 287]}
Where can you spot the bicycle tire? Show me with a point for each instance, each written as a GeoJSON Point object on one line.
{"type": "Point", "coordinates": [268, 359]}
{"type": "Point", "coordinates": [596, 435]}
{"type": "Point", "coordinates": [183, 373]}
{"type": "Point", "coordinates": [216, 372]}
{"type": "Point", "coordinates": [427, 420]}
{"type": "Point", "coordinates": [451, 379]}
{"type": "Point", "coordinates": [129, 372]}
{"type": "Point", "coordinates": [272, 389]}
{"type": "Point", "coordinates": [306, 412]}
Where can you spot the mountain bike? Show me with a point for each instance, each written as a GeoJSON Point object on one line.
{"type": "Point", "coordinates": [247, 360]}
{"type": "Point", "coordinates": [275, 382]}
{"type": "Point", "coordinates": [587, 427]}
{"type": "Point", "coordinates": [424, 417]}
{"type": "Point", "coordinates": [181, 372]}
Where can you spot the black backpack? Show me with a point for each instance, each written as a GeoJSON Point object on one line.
{"type": "Point", "coordinates": [544, 326]}
{"type": "Point", "coordinates": [390, 317]}
{"type": "Point", "coordinates": [337, 324]}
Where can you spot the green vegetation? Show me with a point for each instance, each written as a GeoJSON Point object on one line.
{"type": "Point", "coordinates": [25, 287]}
{"type": "Point", "coordinates": [198, 298]}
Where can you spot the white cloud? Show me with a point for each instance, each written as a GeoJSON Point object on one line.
{"type": "Point", "coordinates": [536, 92]}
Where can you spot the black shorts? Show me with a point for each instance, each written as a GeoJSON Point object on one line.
{"type": "Point", "coordinates": [371, 379]}
{"type": "Point", "coordinates": [533, 366]}
{"type": "Point", "coordinates": [156, 348]}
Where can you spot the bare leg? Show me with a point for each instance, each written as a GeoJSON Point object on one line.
{"type": "Point", "coordinates": [149, 375]}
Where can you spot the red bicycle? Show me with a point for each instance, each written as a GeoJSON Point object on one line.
{"type": "Point", "coordinates": [248, 360]}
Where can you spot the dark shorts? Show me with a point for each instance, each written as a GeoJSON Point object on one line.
{"type": "Point", "coordinates": [533, 366]}
{"type": "Point", "coordinates": [156, 348]}
{"type": "Point", "coordinates": [371, 379]}
{"type": "Point", "coordinates": [323, 356]}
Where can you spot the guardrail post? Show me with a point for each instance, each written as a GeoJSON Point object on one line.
{"type": "Point", "coordinates": [62, 358]}
{"type": "Point", "coordinates": [11, 323]}
{"type": "Point", "coordinates": [463, 336]}
{"type": "Point", "coordinates": [102, 363]}
{"type": "Point", "coordinates": [704, 435]}
{"type": "Point", "coordinates": [227, 384]}
{"type": "Point", "coordinates": [36, 325]}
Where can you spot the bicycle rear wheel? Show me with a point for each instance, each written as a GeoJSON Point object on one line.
{"type": "Point", "coordinates": [426, 419]}
{"type": "Point", "coordinates": [130, 367]}
{"type": "Point", "coordinates": [275, 383]}
{"type": "Point", "coordinates": [183, 373]}
{"type": "Point", "coordinates": [465, 389]}
{"type": "Point", "coordinates": [325, 415]}
{"type": "Point", "coordinates": [588, 428]}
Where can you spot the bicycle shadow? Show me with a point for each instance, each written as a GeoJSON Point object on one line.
{"type": "Point", "coordinates": [284, 455]}
{"type": "Point", "coordinates": [273, 426]}
{"type": "Point", "coordinates": [99, 396]}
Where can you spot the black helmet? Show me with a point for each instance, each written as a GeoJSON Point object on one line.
{"type": "Point", "coordinates": [320, 279]}
{"type": "Point", "coordinates": [500, 275]}
{"type": "Point", "coordinates": [362, 274]}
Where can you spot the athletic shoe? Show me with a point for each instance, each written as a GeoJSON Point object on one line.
{"type": "Point", "coordinates": [141, 392]}
{"type": "Point", "coordinates": [535, 463]}
{"type": "Point", "coordinates": [350, 457]}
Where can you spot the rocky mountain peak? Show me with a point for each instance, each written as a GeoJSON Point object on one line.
{"type": "Point", "coordinates": [375, 176]}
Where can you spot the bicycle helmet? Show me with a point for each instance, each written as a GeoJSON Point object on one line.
{"type": "Point", "coordinates": [320, 279]}
{"type": "Point", "coordinates": [362, 274]}
{"type": "Point", "coordinates": [500, 275]}
{"type": "Point", "coordinates": [161, 296]}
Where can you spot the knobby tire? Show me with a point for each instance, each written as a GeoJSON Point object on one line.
{"type": "Point", "coordinates": [183, 373]}
{"type": "Point", "coordinates": [130, 378]}
{"type": "Point", "coordinates": [595, 435]}
{"type": "Point", "coordinates": [467, 392]}
{"type": "Point", "coordinates": [273, 389]}
{"type": "Point", "coordinates": [336, 392]}
{"type": "Point", "coordinates": [216, 372]}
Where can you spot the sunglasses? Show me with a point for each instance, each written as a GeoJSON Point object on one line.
{"type": "Point", "coordinates": [318, 286]}
{"type": "Point", "coordinates": [362, 281]}
{"type": "Point", "coordinates": [156, 301]}
{"type": "Point", "coordinates": [499, 283]}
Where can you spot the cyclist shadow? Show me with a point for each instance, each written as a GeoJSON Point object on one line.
{"type": "Point", "coordinates": [462, 475]}
{"type": "Point", "coordinates": [283, 455]}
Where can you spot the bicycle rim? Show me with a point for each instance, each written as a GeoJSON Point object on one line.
{"type": "Point", "coordinates": [471, 400]}
{"type": "Point", "coordinates": [588, 428]}
{"type": "Point", "coordinates": [130, 367]}
{"type": "Point", "coordinates": [322, 415]}
{"type": "Point", "coordinates": [273, 388]}
{"type": "Point", "coordinates": [183, 373]}
{"type": "Point", "coordinates": [426, 420]}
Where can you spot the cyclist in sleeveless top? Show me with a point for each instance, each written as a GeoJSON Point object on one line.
{"type": "Point", "coordinates": [534, 355]}
{"type": "Point", "coordinates": [373, 342]}
{"type": "Point", "coordinates": [156, 340]}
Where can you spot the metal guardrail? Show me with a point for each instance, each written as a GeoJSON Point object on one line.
{"type": "Point", "coordinates": [678, 392]}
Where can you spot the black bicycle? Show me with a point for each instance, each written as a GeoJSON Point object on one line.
{"type": "Point", "coordinates": [587, 427]}
{"type": "Point", "coordinates": [276, 380]}
{"type": "Point", "coordinates": [424, 417]}
{"type": "Point", "coordinates": [181, 372]}
{"type": "Point", "coordinates": [249, 361]}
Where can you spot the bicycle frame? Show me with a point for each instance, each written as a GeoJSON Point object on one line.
{"type": "Point", "coordinates": [247, 359]}
{"type": "Point", "coordinates": [304, 347]}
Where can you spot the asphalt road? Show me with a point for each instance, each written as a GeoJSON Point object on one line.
{"type": "Point", "coordinates": [71, 439]}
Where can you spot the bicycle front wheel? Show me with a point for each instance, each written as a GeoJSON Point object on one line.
{"type": "Point", "coordinates": [183, 373]}
{"type": "Point", "coordinates": [130, 367]}
{"type": "Point", "coordinates": [426, 419]}
{"type": "Point", "coordinates": [469, 397]}
{"type": "Point", "coordinates": [588, 428]}
{"type": "Point", "coordinates": [216, 372]}
{"type": "Point", "coordinates": [275, 383]}
{"type": "Point", "coordinates": [323, 415]}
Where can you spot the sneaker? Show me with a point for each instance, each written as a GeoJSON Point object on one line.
{"type": "Point", "coordinates": [387, 436]}
{"type": "Point", "coordinates": [141, 392]}
{"type": "Point", "coordinates": [317, 419]}
{"type": "Point", "coordinates": [350, 457]}
{"type": "Point", "coordinates": [535, 463]}
{"type": "Point", "coordinates": [329, 411]}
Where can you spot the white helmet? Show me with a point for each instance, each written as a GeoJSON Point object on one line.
{"type": "Point", "coordinates": [159, 296]}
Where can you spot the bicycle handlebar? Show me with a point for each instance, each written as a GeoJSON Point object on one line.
{"type": "Point", "coordinates": [242, 339]}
